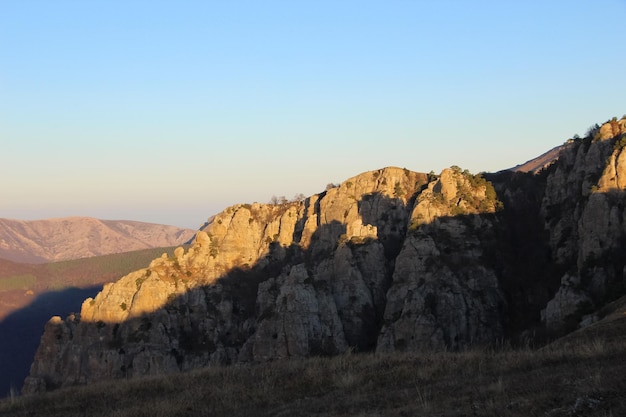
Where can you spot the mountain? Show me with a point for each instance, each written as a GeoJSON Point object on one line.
{"type": "Point", "coordinates": [51, 240]}
{"type": "Point", "coordinates": [388, 261]}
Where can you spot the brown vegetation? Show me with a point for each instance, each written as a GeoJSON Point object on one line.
{"type": "Point", "coordinates": [578, 375]}
{"type": "Point", "coordinates": [584, 378]}
{"type": "Point", "coordinates": [21, 283]}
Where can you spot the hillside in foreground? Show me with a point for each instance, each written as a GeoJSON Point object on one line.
{"type": "Point", "coordinates": [580, 375]}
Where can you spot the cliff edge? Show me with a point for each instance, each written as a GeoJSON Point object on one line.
{"type": "Point", "coordinates": [389, 260]}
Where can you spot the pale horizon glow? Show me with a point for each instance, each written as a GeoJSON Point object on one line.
{"type": "Point", "coordinates": [169, 112]}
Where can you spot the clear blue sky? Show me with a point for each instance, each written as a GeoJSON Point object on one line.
{"type": "Point", "coordinates": [170, 111]}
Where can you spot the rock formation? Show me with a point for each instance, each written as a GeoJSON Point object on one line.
{"type": "Point", "coordinates": [583, 208]}
{"type": "Point", "coordinates": [389, 260]}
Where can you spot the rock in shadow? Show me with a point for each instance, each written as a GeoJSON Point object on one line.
{"type": "Point", "coordinates": [20, 332]}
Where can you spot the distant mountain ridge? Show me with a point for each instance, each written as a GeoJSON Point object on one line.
{"type": "Point", "coordinates": [51, 240]}
{"type": "Point", "coordinates": [542, 161]}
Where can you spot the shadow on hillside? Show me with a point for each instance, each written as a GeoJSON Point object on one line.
{"type": "Point", "coordinates": [392, 224]}
{"type": "Point", "coordinates": [20, 332]}
{"type": "Point", "coordinates": [528, 262]}
{"type": "Point", "coordinates": [528, 276]}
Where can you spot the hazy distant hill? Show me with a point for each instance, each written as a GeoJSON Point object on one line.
{"type": "Point", "coordinates": [50, 240]}
{"type": "Point", "coordinates": [542, 161]}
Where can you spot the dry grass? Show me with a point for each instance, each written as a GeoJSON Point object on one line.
{"type": "Point", "coordinates": [560, 380]}
{"type": "Point", "coordinates": [16, 279]}
{"type": "Point", "coordinates": [582, 374]}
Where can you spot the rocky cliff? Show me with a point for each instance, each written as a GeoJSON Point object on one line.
{"type": "Point", "coordinates": [583, 209]}
{"type": "Point", "coordinates": [389, 260]}
{"type": "Point", "coordinates": [51, 240]}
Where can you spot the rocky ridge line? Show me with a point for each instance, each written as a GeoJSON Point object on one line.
{"type": "Point", "coordinates": [390, 260]}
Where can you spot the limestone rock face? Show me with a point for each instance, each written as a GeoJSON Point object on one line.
{"type": "Point", "coordinates": [566, 302]}
{"type": "Point", "coordinates": [443, 294]}
{"type": "Point", "coordinates": [389, 260]}
{"type": "Point", "coordinates": [583, 208]}
{"type": "Point", "coordinates": [299, 320]}
{"type": "Point", "coordinates": [612, 129]}
{"type": "Point", "coordinates": [454, 193]}
{"type": "Point", "coordinates": [259, 282]}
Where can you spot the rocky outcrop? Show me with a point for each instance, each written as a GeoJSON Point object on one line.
{"type": "Point", "coordinates": [51, 240]}
{"type": "Point", "coordinates": [264, 282]}
{"type": "Point", "coordinates": [583, 208]}
{"type": "Point", "coordinates": [443, 293]}
{"type": "Point", "coordinates": [389, 260]}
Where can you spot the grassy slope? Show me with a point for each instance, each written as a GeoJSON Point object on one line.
{"type": "Point", "coordinates": [580, 375]}
{"type": "Point", "coordinates": [21, 283]}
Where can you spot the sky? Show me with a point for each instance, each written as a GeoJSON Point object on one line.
{"type": "Point", "coordinates": [171, 111]}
